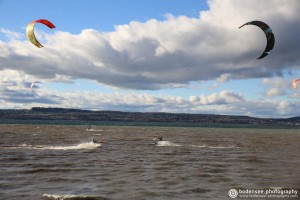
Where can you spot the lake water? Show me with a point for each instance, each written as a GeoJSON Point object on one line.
{"type": "Point", "coordinates": [60, 162]}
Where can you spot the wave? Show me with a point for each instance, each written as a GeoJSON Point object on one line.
{"type": "Point", "coordinates": [199, 146]}
{"type": "Point", "coordinates": [214, 147]}
{"type": "Point", "coordinates": [167, 143]}
{"type": "Point", "coordinates": [95, 130]}
{"type": "Point", "coordinates": [86, 145]}
{"type": "Point", "coordinates": [72, 197]}
{"type": "Point", "coordinates": [222, 147]}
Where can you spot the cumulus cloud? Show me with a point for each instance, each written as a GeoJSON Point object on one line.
{"type": "Point", "coordinates": [224, 97]}
{"type": "Point", "coordinates": [11, 34]}
{"type": "Point", "coordinates": [152, 55]}
{"type": "Point", "coordinates": [276, 86]}
{"type": "Point", "coordinates": [18, 95]}
{"type": "Point", "coordinates": [164, 54]}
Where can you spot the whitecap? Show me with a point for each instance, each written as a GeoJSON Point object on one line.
{"type": "Point", "coordinates": [221, 147]}
{"type": "Point", "coordinates": [86, 145]}
{"type": "Point", "coordinates": [167, 143]}
{"type": "Point", "coordinates": [214, 147]}
{"type": "Point", "coordinates": [95, 130]}
{"type": "Point", "coordinates": [66, 196]}
{"type": "Point", "coordinates": [199, 146]}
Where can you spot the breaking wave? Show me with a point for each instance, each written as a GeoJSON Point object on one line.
{"type": "Point", "coordinates": [167, 143]}
{"type": "Point", "coordinates": [85, 145]}
{"type": "Point", "coordinates": [72, 197]}
{"type": "Point", "coordinates": [214, 147]}
{"type": "Point", "coordinates": [94, 130]}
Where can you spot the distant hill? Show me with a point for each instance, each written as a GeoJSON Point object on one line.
{"type": "Point", "coordinates": [293, 119]}
{"type": "Point", "coordinates": [40, 113]}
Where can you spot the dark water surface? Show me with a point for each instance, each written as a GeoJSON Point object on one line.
{"type": "Point", "coordinates": [60, 162]}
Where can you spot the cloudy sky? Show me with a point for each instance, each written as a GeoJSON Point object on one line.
{"type": "Point", "coordinates": [183, 56]}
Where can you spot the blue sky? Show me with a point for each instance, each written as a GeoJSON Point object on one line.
{"type": "Point", "coordinates": [102, 15]}
{"type": "Point", "coordinates": [161, 56]}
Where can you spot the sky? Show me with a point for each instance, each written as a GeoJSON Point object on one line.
{"type": "Point", "coordinates": [179, 56]}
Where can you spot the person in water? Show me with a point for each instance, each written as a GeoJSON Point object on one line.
{"type": "Point", "coordinates": [159, 138]}
{"type": "Point", "coordinates": [94, 141]}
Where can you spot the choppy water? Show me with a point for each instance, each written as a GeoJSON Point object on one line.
{"type": "Point", "coordinates": [60, 162]}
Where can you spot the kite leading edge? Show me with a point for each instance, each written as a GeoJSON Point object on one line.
{"type": "Point", "coordinates": [30, 31]}
{"type": "Point", "coordinates": [269, 35]}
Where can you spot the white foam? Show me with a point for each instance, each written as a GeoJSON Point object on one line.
{"type": "Point", "coordinates": [97, 130]}
{"type": "Point", "coordinates": [86, 145]}
{"type": "Point", "coordinates": [199, 146]}
{"type": "Point", "coordinates": [65, 197]}
{"type": "Point", "coordinates": [221, 147]}
{"type": "Point", "coordinates": [167, 143]}
{"type": "Point", "coordinates": [214, 147]}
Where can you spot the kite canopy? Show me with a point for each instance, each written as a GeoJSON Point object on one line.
{"type": "Point", "coordinates": [33, 83]}
{"type": "Point", "coordinates": [295, 82]}
{"type": "Point", "coordinates": [269, 35]}
{"type": "Point", "coordinates": [30, 31]}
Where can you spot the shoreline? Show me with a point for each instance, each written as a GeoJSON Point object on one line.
{"type": "Point", "coordinates": [146, 124]}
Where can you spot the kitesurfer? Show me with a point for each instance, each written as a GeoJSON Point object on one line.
{"type": "Point", "coordinates": [159, 138]}
{"type": "Point", "coordinates": [94, 141]}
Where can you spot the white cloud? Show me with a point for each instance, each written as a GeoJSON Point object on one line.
{"type": "Point", "coordinates": [283, 107]}
{"type": "Point", "coordinates": [275, 92]}
{"type": "Point", "coordinates": [224, 97]}
{"type": "Point", "coordinates": [159, 54]}
{"type": "Point", "coordinates": [277, 86]}
{"type": "Point", "coordinates": [18, 95]}
{"type": "Point", "coordinates": [11, 34]}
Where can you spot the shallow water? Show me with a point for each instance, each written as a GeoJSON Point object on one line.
{"type": "Point", "coordinates": [60, 162]}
